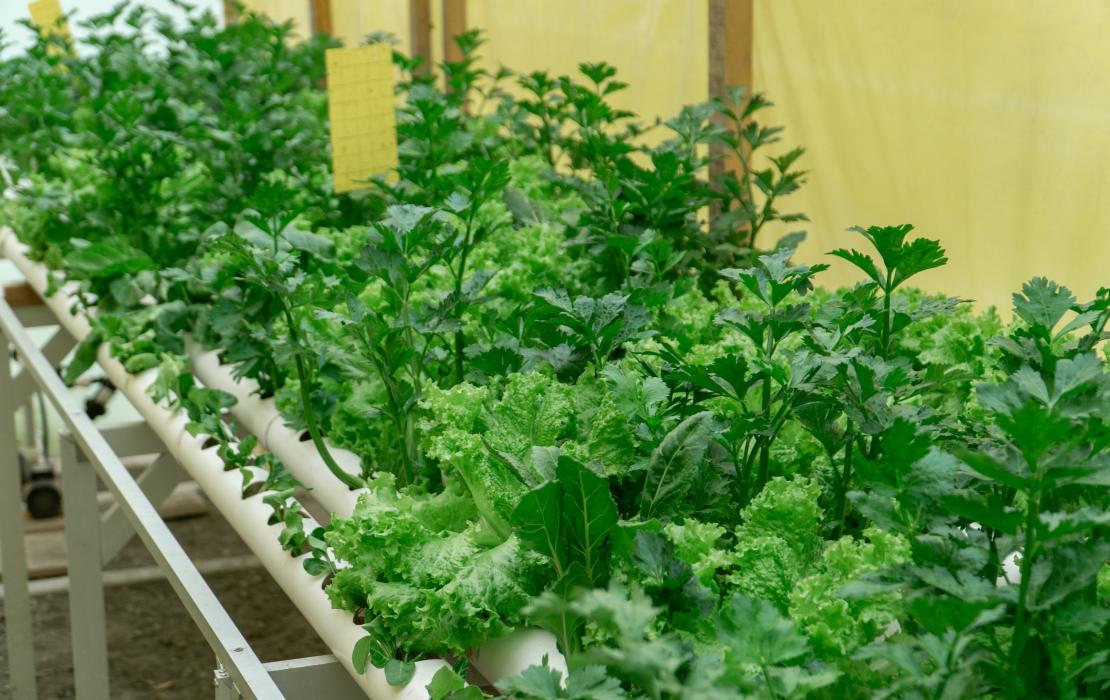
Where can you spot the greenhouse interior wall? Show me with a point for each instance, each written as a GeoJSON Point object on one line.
{"type": "Point", "coordinates": [872, 91]}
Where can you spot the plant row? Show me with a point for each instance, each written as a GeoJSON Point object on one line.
{"type": "Point", "coordinates": [592, 388]}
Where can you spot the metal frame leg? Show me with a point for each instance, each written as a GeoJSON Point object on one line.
{"type": "Point", "coordinates": [17, 597]}
{"type": "Point", "coordinates": [225, 687]}
{"type": "Point", "coordinates": [86, 592]}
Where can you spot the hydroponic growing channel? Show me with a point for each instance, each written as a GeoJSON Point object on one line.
{"type": "Point", "coordinates": [574, 433]}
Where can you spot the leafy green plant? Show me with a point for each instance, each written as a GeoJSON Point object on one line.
{"type": "Point", "coordinates": [579, 404]}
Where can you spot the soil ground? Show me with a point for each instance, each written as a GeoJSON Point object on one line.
{"type": "Point", "coordinates": [154, 649]}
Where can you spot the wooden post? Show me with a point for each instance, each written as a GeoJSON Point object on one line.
{"type": "Point", "coordinates": [420, 32]}
{"type": "Point", "coordinates": [231, 11]}
{"type": "Point", "coordinates": [21, 294]}
{"type": "Point", "coordinates": [454, 23]}
{"type": "Point", "coordinates": [321, 17]}
{"type": "Point", "coordinates": [730, 55]}
{"type": "Point", "coordinates": [730, 44]}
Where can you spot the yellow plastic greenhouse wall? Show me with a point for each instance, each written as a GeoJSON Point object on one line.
{"type": "Point", "coordinates": [659, 47]}
{"type": "Point", "coordinates": [281, 10]}
{"type": "Point", "coordinates": [981, 122]}
{"type": "Point", "coordinates": [352, 20]}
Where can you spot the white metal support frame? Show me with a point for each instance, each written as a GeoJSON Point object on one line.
{"type": "Point", "coordinates": [82, 527]}
{"type": "Point", "coordinates": [246, 515]}
{"type": "Point", "coordinates": [156, 482]}
{"type": "Point", "coordinates": [17, 597]}
{"type": "Point", "coordinates": [310, 677]}
{"type": "Point", "coordinates": [86, 591]}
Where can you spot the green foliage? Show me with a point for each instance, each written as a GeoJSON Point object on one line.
{"type": "Point", "coordinates": [422, 575]}
{"type": "Point", "coordinates": [569, 520]}
{"type": "Point", "coordinates": [577, 404]}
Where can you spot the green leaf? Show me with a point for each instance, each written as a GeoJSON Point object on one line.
{"type": "Point", "coordinates": [534, 410]}
{"type": "Point", "coordinates": [987, 466]}
{"type": "Point", "coordinates": [84, 357]}
{"type": "Point", "coordinates": [994, 516]}
{"type": "Point", "coordinates": [360, 655]}
{"type": "Point", "coordinates": [108, 258]}
{"type": "Point", "coordinates": [1075, 373]}
{"type": "Point", "coordinates": [447, 684]}
{"type": "Point", "coordinates": [1053, 526]}
{"type": "Point", "coordinates": [314, 566]}
{"type": "Point", "coordinates": [674, 464]}
{"type": "Point", "coordinates": [754, 632]}
{"type": "Point", "coordinates": [590, 516]}
{"type": "Point", "coordinates": [540, 682]}
{"type": "Point", "coordinates": [1029, 381]}
{"type": "Point", "coordinates": [534, 683]}
{"type": "Point", "coordinates": [920, 255]}
{"type": "Point", "coordinates": [862, 261]}
{"type": "Point", "coordinates": [1042, 303]}
{"type": "Point", "coordinates": [525, 210]}
{"type": "Point", "coordinates": [399, 672]}
{"type": "Point", "coordinates": [1065, 569]}
{"type": "Point", "coordinates": [538, 520]}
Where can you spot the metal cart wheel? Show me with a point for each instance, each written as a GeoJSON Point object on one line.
{"type": "Point", "coordinates": [43, 498]}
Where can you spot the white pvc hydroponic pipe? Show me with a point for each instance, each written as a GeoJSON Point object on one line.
{"type": "Point", "coordinates": [261, 417]}
{"type": "Point", "coordinates": [247, 516]}
{"type": "Point", "coordinates": [498, 658]}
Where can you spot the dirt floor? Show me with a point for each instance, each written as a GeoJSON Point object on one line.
{"type": "Point", "coordinates": [154, 649]}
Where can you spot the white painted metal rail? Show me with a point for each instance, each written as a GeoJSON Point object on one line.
{"type": "Point", "coordinates": [82, 527]}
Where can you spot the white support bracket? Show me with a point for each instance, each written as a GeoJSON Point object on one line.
{"type": "Point", "coordinates": [54, 350]}
{"type": "Point", "coordinates": [132, 438]}
{"type": "Point", "coordinates": [300, 679]}
{"type": "Point", "coordinates": [83, 521]}
{"type": "Point", "coordinates": [157, 481]}
{"type": "Point", "coordinates": [35, 316]}
{"type": "Point", "coordinates": [17, 596]}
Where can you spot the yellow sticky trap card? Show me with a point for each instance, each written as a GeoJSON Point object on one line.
{"type": "Point", "coordinates": [360, 108]}
{"type": "Point", "coordinates": [45, 14]}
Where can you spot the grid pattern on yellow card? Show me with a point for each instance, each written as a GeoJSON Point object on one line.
{"type": "Point", "coordinates": [44, 13]}
{"type": "Point", "coordinates": [360, 108]}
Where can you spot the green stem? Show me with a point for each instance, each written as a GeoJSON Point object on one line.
{"type": "Point", "coordinates": [401, 418]}
{"type": "Point", "coordinates": [765, 442]}
{"type": "Point", "coordinates": [1021, 623]}
{"type": "Point", "coordinates": [765, 446]}
{"type": "Point", "coordinates": [460, 340]}
{"type": "Point", "coordinates": [887, 321]}
{"type": "Point", "coordinates": [845, 478]}
{"type": "Point", "coordinates": [350, 481]}
{"type": "Point", "coordinates": [746, 476]}
{"type": "Point", "coordinates": [767, 681]}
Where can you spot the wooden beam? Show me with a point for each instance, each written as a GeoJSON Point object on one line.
{"type": "Point", "coordinates": [730, 55]}
{"type": "Point", "coordinates": [21, 294]}
{"type": "Point", "coordinates": [454, 23]}
{"type": "Point", "coordinates": [420, 32]}
{"type": "Point", "coordinates": [321, 17]}
{"type": "Point", "coordinates": [231, 12]}
{"type": "Point", "coordinates": [730, 44]}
